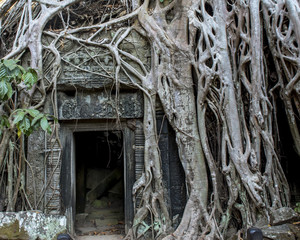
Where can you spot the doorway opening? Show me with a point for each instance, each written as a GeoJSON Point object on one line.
{"type": "Point", "coordinates": [99, 165]}
{"type": "Point", "coordinates": [288, 155]}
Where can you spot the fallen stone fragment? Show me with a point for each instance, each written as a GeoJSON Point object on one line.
{"type": "Point", "coordinates": [281, 232]}
{"type": "Point", "coordinates": [31, 225]}
{"type": "Point", "coordinates": [283, 215]}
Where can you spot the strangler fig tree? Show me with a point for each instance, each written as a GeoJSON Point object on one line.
{"type": "Point", "coordinates": [219, 68]}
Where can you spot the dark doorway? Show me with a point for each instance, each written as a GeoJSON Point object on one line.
{"type": "Point", "coordinates": [288, 155]}
{"type": "Point", "coordinates": [99, 182]}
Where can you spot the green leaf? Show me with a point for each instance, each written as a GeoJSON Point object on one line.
{"type": "Point", "coordinates": [10, 91]}
{"type": "Point", "coordinates": [3, 89]}
{"type": "Point", "coordinates": [49, 130]}
{"type": "Point", "coordinates": [27, 78]}
{"type": "Point", "coordinates": [32, 112]}
{"type": "Point", "coordinates": [30, 78]}
{"type": "Point", "coordinates": [11, 64]}
{"type": "Point", "coordinates": [29, 131]}
{"type": "Point", "coordinates": [19, 117]}
{"type": "Point", "coordinates": [3, 71]}
{"type": "Point", "coordinates": [21, 68]}
{"type": "Point", "coordinates": [16, 73]}
{"type": "Point", "coordinates": [20, 75]}
{"type": "Point", "coordinates": [37, 118]}
{"type": "Point", "coordinates": [24, 125]}
{"type": "Point", "coordinates": [27, 123]}
{"type": "Point", "coordinates": [44, 123]}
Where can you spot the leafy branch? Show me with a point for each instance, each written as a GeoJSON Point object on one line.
{"type": "Point", "coordinates": [26, 121]}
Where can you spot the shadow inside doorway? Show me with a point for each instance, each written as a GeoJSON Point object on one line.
{"type": "Point", "coordinates": [99, 182]}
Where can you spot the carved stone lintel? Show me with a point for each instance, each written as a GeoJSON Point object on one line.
{"type": "Point", "coordinates": [99, 105]}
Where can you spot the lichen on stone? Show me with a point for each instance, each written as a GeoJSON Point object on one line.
{"type": "Point", "coordinates": [31, 225]}
{"type": "Point", "coordinates": [12, 231]}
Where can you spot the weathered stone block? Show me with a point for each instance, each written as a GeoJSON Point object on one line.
{"type": "Point", "coordinates": [282, 232]}
{"type": "Point", "coordinates": [13, 231]}
{"type": "Point", "coordinates": [99, 105]}
{"type": "Point", "coordinates": [35, 179]}
{"type": "Point", "coordinates": [31, 225]}
{"type": "Point", "coordinates": [283, 215]}
{"type": "Point", "coordinates": [95, 68]}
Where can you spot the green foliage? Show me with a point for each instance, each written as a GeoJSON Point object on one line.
{"type": "Point", "coordinates": [30, 77]}
{"type": "Point", "coordinates": [28, 120]}
{"type": "Point", "coordinates": [297, 208]}
{"type": "Point", "coordinates": [11, 72]}
{"type": "Point", "coordinates": [6, 91]}
{"type": "Point", "coordinates": [25, 120]}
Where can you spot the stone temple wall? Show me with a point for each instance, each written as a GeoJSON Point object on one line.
{"type": "Point", "coordinates": [85, 92]}
{"type": "Point", "coordinates": [87, 99]}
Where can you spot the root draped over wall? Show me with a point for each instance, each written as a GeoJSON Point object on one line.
{"type": "Point", "coordinates": [218, 67]}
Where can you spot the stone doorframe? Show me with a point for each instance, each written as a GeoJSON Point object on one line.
{"type": "Point", "coordinates": [68, 170]}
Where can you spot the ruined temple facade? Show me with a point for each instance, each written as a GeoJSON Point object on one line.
{"type": "Point", "coordinates": [101, 138]}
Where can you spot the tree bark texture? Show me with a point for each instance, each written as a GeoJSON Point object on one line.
{"type": "Point", "coordinates": [218, 67]}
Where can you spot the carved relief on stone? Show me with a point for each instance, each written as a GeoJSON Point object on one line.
{"type": "Point", "coordinates": [94, 67]}
{"type": "Point", "coordinates": [99, 105]}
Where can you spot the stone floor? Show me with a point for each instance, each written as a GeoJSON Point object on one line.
{"type": "Point", "coordinates": [104, 217]}
{"type": "Point", "coordinates": [102, 237]}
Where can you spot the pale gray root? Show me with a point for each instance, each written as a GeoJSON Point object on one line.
{"type": "Point", "coordinates": [209, 70]}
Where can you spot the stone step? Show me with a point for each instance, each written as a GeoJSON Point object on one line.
{"type": "Point", "coordinates": [106, 211]}
{"type": "Point", "coordinates": [101, 215]}
{"type": "Point", "coordinates": [82, 230]}
{"type": "Point", "coordinates": [107, 201]}
{"type": "Point", "coordinates": [106, 222]}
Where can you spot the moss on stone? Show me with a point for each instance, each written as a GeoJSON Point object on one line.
{"type": "Point", "coordinates": [13, 231]}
